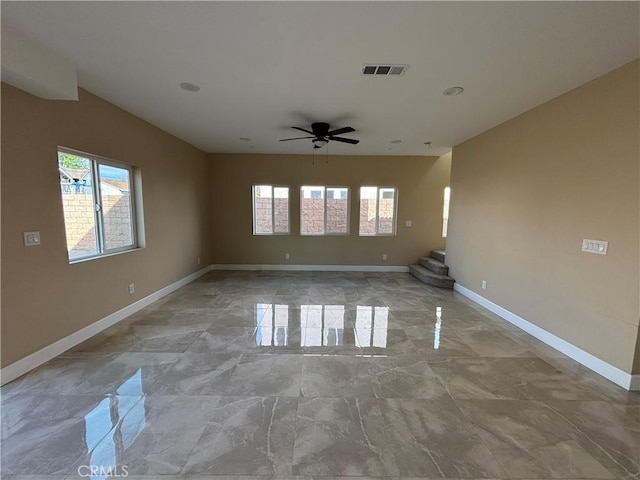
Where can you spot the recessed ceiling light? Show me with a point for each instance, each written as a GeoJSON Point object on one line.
{"type": "Point", "coordinates": [189, 87]}
{"type": "Point", "coordinates": [396, 141]}
{"type": "Point", "coordinates": [453, 91]}
{"type": "Point", "coordinates": [244, 139]}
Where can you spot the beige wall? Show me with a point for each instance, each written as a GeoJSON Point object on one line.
{"type": "Point", "coordinates": [420, 182]}
{"type": "Point", "coordinates": [526, 193]}
{"type": "Point", "coordinates": [43, 297]}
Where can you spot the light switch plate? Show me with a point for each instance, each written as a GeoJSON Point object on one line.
{"type": "Point", "coordinates": [599, 247]}
{"type": "Point", "coordinates": [31, 239]}
{"type": "Point", "coordinates": [408, 223]}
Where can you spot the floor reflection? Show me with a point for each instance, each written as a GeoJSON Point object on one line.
{"type": "Point", "coordinates": [107, 443]}
{"type": "Point", "coordinates": [322, 325]}
{"type": "Point", "coordinates": [436, 334]}
{"type": "Point", "coordinates": [371, 326]}
{"type": "Point", "coordinates": [325, 326]}
{"type": "Point", "coordinates": [272, 325]}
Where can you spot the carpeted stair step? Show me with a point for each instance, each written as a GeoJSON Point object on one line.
{"type": "Point", "coordinates": [431, 278]}
{"type": "Point", "coordinates": [434, 265]}
{"type": "Point", "coordinates": [439, 255]}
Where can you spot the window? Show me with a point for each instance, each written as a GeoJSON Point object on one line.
{"type": "Point", "coordinates": [324, 210]}
{"type": "Point", "coordinates": [270, 210]}
{"type": "Point", "coordinates": [445, 211]}
{"type": "Point", "coordinates": [378, 210]}
{"type": "Point", "coordinates": [98, 201]}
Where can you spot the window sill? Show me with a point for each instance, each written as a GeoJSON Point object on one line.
{"type": "Point", "coordinates": [324, 234]}
{"type": "Point", "coordinates": [106, 255]}
{"type": "Point", "coordinates": [377, 235]}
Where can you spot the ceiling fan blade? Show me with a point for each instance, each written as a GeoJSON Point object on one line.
{"type": "Point", "coordinates": [341, 130]}
{"type": "Point", "coordinates": [296, 138]}
{"type": "Point", "coordinates": [345, 140]}
{"type": "Point", "coordinates": [304, 130]}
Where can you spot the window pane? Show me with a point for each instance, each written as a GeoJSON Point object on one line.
{"type": "Point", "coordinates": [368, 197]}
{"type": "Point", "coordinates": [312, 210]}
{"type": "Point", "coordinates": [337, 210]}
{"type": "Point", "coordinates": [115, 192]}
{"type": "Point", "coordinates": [262, 198]}
{"type": "Point", "coordinates": [386, 210]}
{"type": "Point", "coordinates": [78, 205]}
{"type": "Point", "coordinates": [281, 209]}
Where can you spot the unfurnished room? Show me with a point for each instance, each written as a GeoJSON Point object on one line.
{"type": "Point", "coordinates": [320, 240]}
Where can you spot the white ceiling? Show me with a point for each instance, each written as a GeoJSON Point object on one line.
{"type": "Point", "coordinates": [265, 66]}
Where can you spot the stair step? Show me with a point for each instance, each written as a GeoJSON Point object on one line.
{"type": "Point", "coordinates": [431, 278]}
{"type": "Point", "coordinates": [439, 255]}
{"type": "Point", "coordinates": [434, 265]}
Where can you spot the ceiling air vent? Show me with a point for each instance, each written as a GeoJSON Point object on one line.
{"type": "Point", "coordinates": [384, 69]}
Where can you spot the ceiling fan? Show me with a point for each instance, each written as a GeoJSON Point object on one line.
{"type": "Point", "coordinates": [321, 134]}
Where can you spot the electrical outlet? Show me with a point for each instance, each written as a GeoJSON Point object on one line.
{"type": "Point", "coordinates": [132, 288]}
{"type": "Point", "coordinates": [408, 223]}
{"type": "Point", "coordinates": [484, 284]}
{"type": "Point", "coordinates": [287, 256]}
{"type": "Point", "coordinates": [384, 257]}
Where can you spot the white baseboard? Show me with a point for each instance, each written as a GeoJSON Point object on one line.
{"type": "Point", "coordinates": [313, 268]}
{"type": "Point", "coordinates": [28, 363]}
{"type": "Point", "coordinates": [610, 372]}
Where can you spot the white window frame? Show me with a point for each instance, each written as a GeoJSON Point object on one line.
{"type": "Point", "coordinates": [324, 196]}
{"type": "Point", "coordinates": [394, 224]}
{"type": "Point", "coordinates": [273, 210]}
{"type": "Point", "coordinates": [136, 215]}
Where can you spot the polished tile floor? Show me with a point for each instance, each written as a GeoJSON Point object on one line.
{"type": "Point", "coordinates": [316, 375]}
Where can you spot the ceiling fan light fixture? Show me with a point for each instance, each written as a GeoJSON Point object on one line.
{"type": "Point", "coordinates": [320, 142]}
